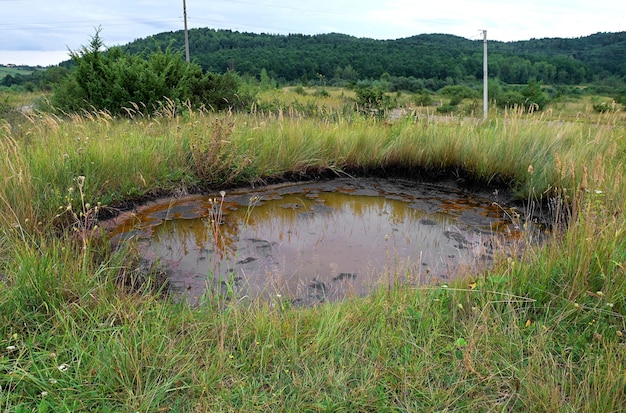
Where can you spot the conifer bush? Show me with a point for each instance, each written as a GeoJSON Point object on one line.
{"type": "Point", "coordinates": [119, 83]}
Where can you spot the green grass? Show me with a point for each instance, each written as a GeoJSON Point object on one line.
{"type": "Point", "coordinates": [543, 332]}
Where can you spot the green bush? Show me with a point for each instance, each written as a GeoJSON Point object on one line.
{"type": "Point", "coordinates": [530, 97]}
{"type": "Point", "coordinates": [459, 92]}
{"type": "Point", "coordinates": [322, 93]}
{"type": "Point", "coordinates": [299, 90]}
{"type": "Point", "coordinates": [447, 108]}
{"type": "Point", "coordinates": [372, 99]}
{"type": "Point", "coordinates": [605, 107]}
{"type": "Point", "coordinates": [423, 99]}
{"type": "Point", "coordinates": [534, 97]}
{"type": "Point", "coordinates": [116, 82]}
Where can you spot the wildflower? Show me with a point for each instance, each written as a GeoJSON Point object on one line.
{"type": "Point", "coordinates": [44, 393]}
{"type": "Point", "coordinates": [63, 367]}
{"type": "Point", "coordinates": [223, 193]}
{"type": "Point", "coordinates": [598, 192]}
{"type": "Point", "coordinates": [230, 356]}
{"type": "Point", "coordinates": [531, 170]}
{"type": "Point", "coordinates": [528, 323]}
{"type": "Point", "coordinates": [11, 348]}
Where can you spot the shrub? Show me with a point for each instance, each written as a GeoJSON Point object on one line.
{"type": "Point", "coordinates": [530, 97]}
{"type": "Point", "coordinates": [299, 90]}
{"type": "Point", "coordinates": [423, 99]}
{"type": "Point", "coordinates": [322, 92]}
{"type": "Point", "coordinates": [447, 108]}
{"type": "Point", "coordinates": [534, 97]}
{"type": "Point", "coordinates": [372, 98]}
{"type": "Point", "coordinates": [115, 81]}
{"type": "Point", "coordinates": [605, 107]}
{"type": "Point", "coordinates": [459, 92]}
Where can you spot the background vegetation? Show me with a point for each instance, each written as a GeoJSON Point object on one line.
{"type": "Point", "coordinates": [434, 57]}
{"type": "Point", "coordinates": [421, 64]}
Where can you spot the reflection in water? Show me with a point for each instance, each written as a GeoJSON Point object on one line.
{"type": "Point", "coordinates": [318, 240]}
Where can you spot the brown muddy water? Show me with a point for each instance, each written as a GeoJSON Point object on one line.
{"type": "Point", "coordinates": [315, 241]}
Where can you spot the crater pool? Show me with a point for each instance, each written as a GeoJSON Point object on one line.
{"type": "Point", "coordinates": [314, 241]}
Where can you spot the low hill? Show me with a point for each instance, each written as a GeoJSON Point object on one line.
{"type": "Point", "coordinates": [336, 56]}
{"type": "Point", "coordinates": [15, 70]}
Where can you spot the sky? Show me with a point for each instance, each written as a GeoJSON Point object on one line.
{"type": "Point", "coordinates": [41, 32]}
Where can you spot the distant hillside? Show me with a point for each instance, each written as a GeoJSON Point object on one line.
{"type": "Point", "coordinates": [337, 57]}
{"type": "Point", "coordinates": [14, 70]}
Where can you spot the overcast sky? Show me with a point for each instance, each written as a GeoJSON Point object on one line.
{"type": "Point", "coordinates": [41, 31]}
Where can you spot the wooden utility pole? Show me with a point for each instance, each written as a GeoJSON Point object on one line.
{"type": "Point", "coordinates": [485, 76]}
{"type": "Point", "coordinates": [186, 32]}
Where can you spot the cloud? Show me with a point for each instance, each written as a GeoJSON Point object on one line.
{"type": "Point", "coordinates": [56, 25]}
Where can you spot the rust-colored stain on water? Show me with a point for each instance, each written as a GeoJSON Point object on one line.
{"type": "Point", "coordinates": [316, 241]}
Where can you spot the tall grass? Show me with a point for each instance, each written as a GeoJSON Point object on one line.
{"type": "Point", "coordinates": [543, 332]}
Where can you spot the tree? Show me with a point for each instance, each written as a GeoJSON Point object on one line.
{"type": "Point", "coordinates": [534, 98]}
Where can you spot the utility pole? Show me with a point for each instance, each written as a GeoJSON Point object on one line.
{"type": "Point", "coordinates": [485, 76]}
{"type": "Point", "coordinates": [186, 32]}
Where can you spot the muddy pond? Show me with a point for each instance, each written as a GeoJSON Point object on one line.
{"type": "Point", "coordinates": [315, 241]}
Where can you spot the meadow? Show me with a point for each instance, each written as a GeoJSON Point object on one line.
{"type": "Point", "coordinates": [81, 331]}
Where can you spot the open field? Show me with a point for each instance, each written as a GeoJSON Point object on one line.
{"type": "Point", "coordinates": [545, 332]}
{"type": "Point", "coordinates": [11, 70]}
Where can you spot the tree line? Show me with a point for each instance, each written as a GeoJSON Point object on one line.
{"type": "Point", "coordinates": [340, 58]}
{"type": "Point", "coordinates": [336, 59]}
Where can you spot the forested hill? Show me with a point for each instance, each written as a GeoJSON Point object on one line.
{"type": "Point", "coordinates": [333, 57]}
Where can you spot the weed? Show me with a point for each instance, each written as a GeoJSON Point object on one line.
{"type": "Point", "coordinates": [215, 157]}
